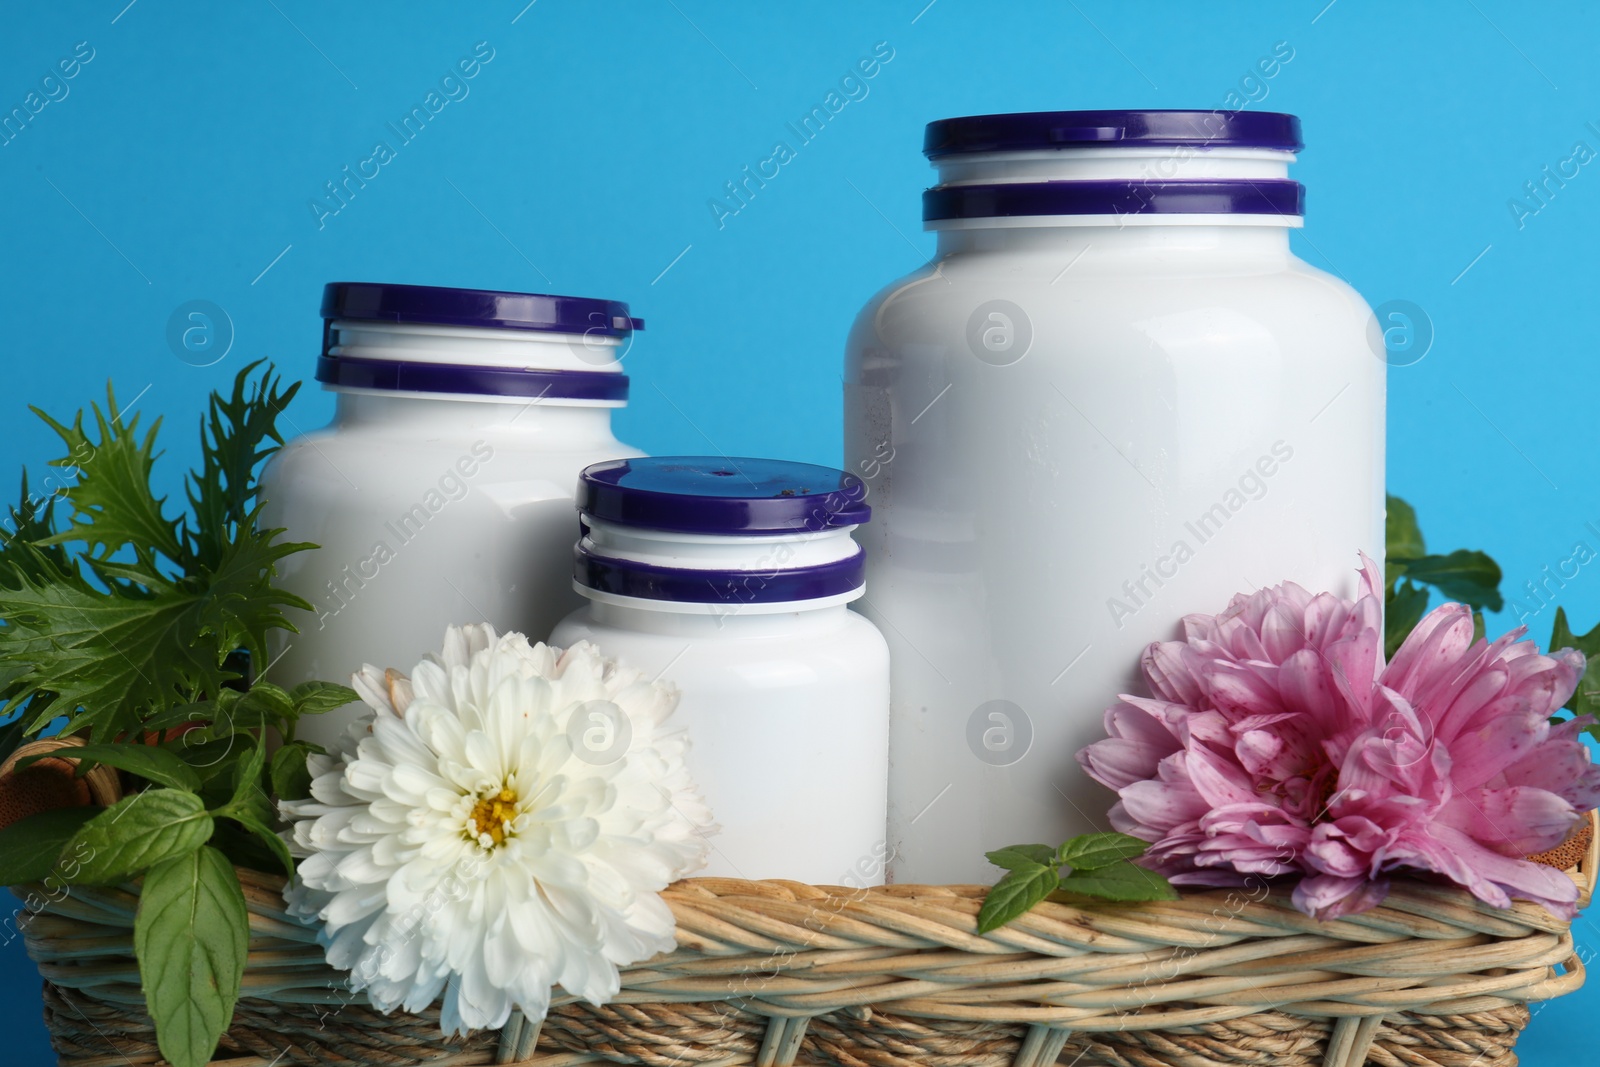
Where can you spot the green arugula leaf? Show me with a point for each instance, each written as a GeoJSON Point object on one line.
{"type": "Point", "coordinates": [192, 937]}
{"type": "Point", "coordinates": [1405, 607]}
{"type": "Point", "coordinates": [1090, 852]}
{"type": "Point", "coordinates": [112, 504]}
{"type": "Point", "coordinates": [224, 492]}
{"type": "Point", "coordinates": [31, 848]}
{"type": "Point", "coordinates": [154, 764]}
{"type": "Point", "coordinates": [1121, 881]}
{"type": "Point", "coordinates": [1014, 894]}
{"type": "Point", "coordinates": [1468, 576]}
{"type": "Point", "coordinates": [138, 832]}
{"type": "Point", "coordinates": [291, 778]}
{"type": "Point", "coordinates": [314, 698]}
{"type": "Point", "coordinates": [1402, 535]}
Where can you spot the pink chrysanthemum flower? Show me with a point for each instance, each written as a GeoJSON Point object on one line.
{"type": "Point", "coordinates": [1275, 742]}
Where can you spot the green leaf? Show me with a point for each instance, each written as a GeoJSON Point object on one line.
{"type": "Point", "coordinates": [31, 849]}
{"type": "Point", "coordinates": [314, 698]}
{"type": "Point", "coordinates": [1585, 699]}
{"type": "Point", "coordinates": [1119, 881]}
{"type": "Point", "coordinates": [112, 504]}
{"type": "Point", "coordinates": [1405, 606]}
{"type": "Point", "coordinates": [1090, 852]}
{"type": "Point", "coordinates": [1402, 535]}
{"type": "Point", "coordinates": [291, 778]}
{"type": "Point", "coordinates": [1468, 576]}
{"type": "Point", "coordinates": [151, 611]}
{"type": "Point", "coordinates": [1014, 856]}
{"type": "Point", "coordinates": [154, 764]}
{"type": "Point", "coordinates": [138, 832]}
{"type": "Point", "coordinates": [267, 836]}
{"type": "Point", "coordinates": [1014, 894]}
{"type": "Point", "coordinates": [192, 936]}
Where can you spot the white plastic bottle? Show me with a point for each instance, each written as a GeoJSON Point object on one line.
{"type": "Point", "coordinates": [442, 491]}
{"type": "Point", "coordinates": [1114, 397]}
{"type": "Point", "coordinates": [730, 578]}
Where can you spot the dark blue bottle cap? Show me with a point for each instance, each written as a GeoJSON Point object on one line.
{"type": "Point", "coordinates": [1034, 130]}
{"type": "Point", "coordinates": [487, 308]}
{"type": "Point", "coordinates": [722, 495]}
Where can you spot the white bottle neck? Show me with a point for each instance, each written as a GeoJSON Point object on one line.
{"type": "Point", "coordinates": [1110, 243]}
{"type": "Point", "coordinates": [477, 347]}
{"type": "Point", "coordinates": [798, 619]}
{"type": "Point", "coordinates": [1143, 163]}
{"type": "Point", "coordinates": [569, 423]}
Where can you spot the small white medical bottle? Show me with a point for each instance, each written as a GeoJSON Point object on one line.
{"type": "Point", "coordinates": [731, 578]}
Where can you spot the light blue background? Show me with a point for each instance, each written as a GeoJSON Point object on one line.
{"type": "Point", "coordinates": [181, 163]}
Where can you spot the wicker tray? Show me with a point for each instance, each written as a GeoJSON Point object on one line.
{"type": "Point", "coordinates": [777, 973]}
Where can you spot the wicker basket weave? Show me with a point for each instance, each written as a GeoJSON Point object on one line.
{"type": "Point", "coordinates": [777, 973]}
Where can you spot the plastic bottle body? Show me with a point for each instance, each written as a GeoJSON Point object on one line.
{"type": "Point", "coordinates": [787, 716]}
{"type": "Point", "coordinates": [1072, 437]}
{"type": "Point", "coordinates": [428, 509]}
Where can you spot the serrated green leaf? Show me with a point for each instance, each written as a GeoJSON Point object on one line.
{"type": "Point", "coordinates": [1402, 535]}
{"type": "Point", "coordinates": [1403, 609]}
{"type": "Point", "coordinates": [1465, 575]}
{"type": "Point", "coordinates": [154, 764]}
{"type": "Point", "coordinates": [111, 501]}
{"type": "Point", "coordinates": [191, 934]}
{"type": "Point", "coordinates": [1014, 894]}
{"type": "Point", "coordinates": [31, 848]}
{"type": "Point", "coordinates": [315, 698]}
{"type": "Point", "coordinates": [1122, 881]}
{"type": "Point", "coordinates": [138, 832]}
{"type": "Point", "coordinates": [291, 777]}
{"type": "Point", "coordinates": [1090, 852]}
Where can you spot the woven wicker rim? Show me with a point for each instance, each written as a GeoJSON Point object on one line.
{"type": "Point", "coordinates": [792, 952]}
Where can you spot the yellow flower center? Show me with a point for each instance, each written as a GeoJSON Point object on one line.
{"type": "Point", "coordinates": [492, 815]}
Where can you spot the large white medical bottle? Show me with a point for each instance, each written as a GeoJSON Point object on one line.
{"type": "Point", "coordinates": [1113, 397]}
{"type": "Point", "coordinates": [442, 491]}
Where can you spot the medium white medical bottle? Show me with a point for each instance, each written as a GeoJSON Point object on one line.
{"type": "Point", "coordinates": [1114, 397]}
{"type": "Point", "coordinates": [731, 579]}
{"type": "Point", "coordinates": [442, 491]}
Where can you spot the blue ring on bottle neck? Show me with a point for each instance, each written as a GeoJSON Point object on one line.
{"type": "Point", "coordinates": [400, 376]}
{"type": "Point", "coordinates": [1121, 197]}
{"type": "Point", "coordinates": [686, 585]}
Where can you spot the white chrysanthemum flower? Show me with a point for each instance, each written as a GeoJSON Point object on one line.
{"type": "Point", "coordinates": [504, 822]}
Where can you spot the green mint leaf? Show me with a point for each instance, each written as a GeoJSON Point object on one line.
{"type": "Point", "coordinates": [1402, 535]}
{"type": "Point", "coordinates": [1014, 856]}
{"type": "Point", "coordinates": [191, 935]}
{"type": "Point", "coordinates": [1405, 606]}
{"type": "Point", "coordinates": [291, 778]}
{"type": "Point", "coordinates": [138, 832]}
{"type": "Point", "coordinates": [314, 698]}
{"type": "Point", "coordinates": [1122, 881]}
{"type": "Point", "coordinates": [1014, 894]}
{"type": "Point", "coordinates": [269, 837]}
{"type": "Point", "coordinates": [1090, 852]}
{"type": "Point", "coordinates": [1468, 576]}
{"type": "Point", "coordinates": [32, 849]}
{"type": "Point", "coordinates": [153, 764]}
